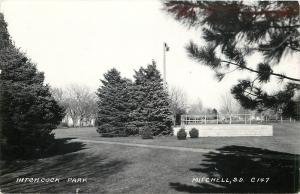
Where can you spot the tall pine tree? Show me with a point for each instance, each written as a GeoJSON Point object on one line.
{"type": "Point", "coordinates": [114, 105]}
{"type": "Point", "coordinates": [28, 112]}
{"type": "Point", "coordinates": [152, 111]}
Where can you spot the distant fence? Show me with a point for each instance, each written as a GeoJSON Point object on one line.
{"type": "Point", "coordinates": [231, 119]}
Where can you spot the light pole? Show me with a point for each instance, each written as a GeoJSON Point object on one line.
{"type": "Point", "coordinates": [165, 49]}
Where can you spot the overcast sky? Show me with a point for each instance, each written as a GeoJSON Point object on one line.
{"type": "Point", "coordinates": [76, 41]}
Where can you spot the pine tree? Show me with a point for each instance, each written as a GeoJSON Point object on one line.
{"type": "Point", "coordinates": [113, 105]}
{"type": "Point", "coordinates": [235, 30]}
{"type": "Point", "coordinates": [153, 109]}
{"type": "Point", "coordinates": [28, 112]}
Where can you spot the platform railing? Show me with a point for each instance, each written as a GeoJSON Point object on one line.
{"type": "Point", "coordinates": [230, 119]}
{"type": "Point", "coordinates": [216, 119]}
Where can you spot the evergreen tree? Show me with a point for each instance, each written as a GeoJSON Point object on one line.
{"type": "Point", "coordinates": [153, 110]}
{"type": "Point", "coordinates": [114, 105]}
{"type": "Point", "coordinates": [28, 112]}
{"type": "Point", "coordinates": [235, 30]}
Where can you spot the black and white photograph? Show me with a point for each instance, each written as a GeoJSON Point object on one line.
{"type": "Point", "coordinates": [149, 96]}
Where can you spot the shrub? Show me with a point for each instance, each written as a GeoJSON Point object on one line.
{"type": "Point", "coordinates": [194, 133]}
{"type": "Point", "coordinates": [181, 134]}
{"type": "Point", "coordinates": [146, 133]}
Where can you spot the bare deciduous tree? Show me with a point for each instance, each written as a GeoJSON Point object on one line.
{"type": "Point", "coordinates": [178, 99]}
{"type": "Point", "coordinates": [57, 93]}
{"type": "Point", "coordinates": [228, 104]}
{"type": "Point", "coordinates": [178, 102]}
{"type": "Point", "coordinates": [79, 102]}
{"type": "Point", "coordinates": [196, 108]}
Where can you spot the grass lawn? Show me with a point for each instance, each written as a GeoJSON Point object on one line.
{"type": "Point", "coordinates": [285, 139]}
{"type": "Point", "coordinates": [123, 169]}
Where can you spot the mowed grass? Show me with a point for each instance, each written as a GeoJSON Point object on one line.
{"type": "Point", "coordinates": [124, 169]}
{"type": "Point", "coordinates": [285, 139]}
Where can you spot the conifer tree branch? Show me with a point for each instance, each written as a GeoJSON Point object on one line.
{"type": "Point", "coordinates": [293, 48]}
{"type": "Point", "coordinates": [255, 71]}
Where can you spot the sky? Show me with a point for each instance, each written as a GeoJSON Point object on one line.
{"type": "Point", "coordinates": [76, 42]}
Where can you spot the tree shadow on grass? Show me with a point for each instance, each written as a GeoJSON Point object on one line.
{"type": "Point", "coordinates": [248, 163]}
{"type": "Point", "coordinates": [63, 146]}
{"type": "Point", "coordinates": [57, 147]}
{"type": "Point", "coordinates": [96, 168]}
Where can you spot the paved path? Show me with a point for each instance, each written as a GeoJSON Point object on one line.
{"type": "Point", "coordinates": [199, 150]}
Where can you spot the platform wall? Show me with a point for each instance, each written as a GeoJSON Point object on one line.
{"type": "Point", "coordinates": [229, 130]}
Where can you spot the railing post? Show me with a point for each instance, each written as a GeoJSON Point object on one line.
{"type": "Point", "coordinates": [181, 120]}
{"type": "Point", "coordinates": [187, 120]}
{"type": "Point", "coordinates": [230, 119]}
{"type": "Point", "coordinates": [217, 119]}
{"type": "Point", "coordinates": [245, 119]}
{"type": "Point", "coordinates": [205, 119]}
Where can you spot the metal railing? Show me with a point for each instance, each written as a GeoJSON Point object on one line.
{"type": "Point", "coordinates": [231, 119]}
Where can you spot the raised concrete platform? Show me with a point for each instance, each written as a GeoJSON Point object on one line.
{"type": "Point", "coordinates": [234, 130]}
